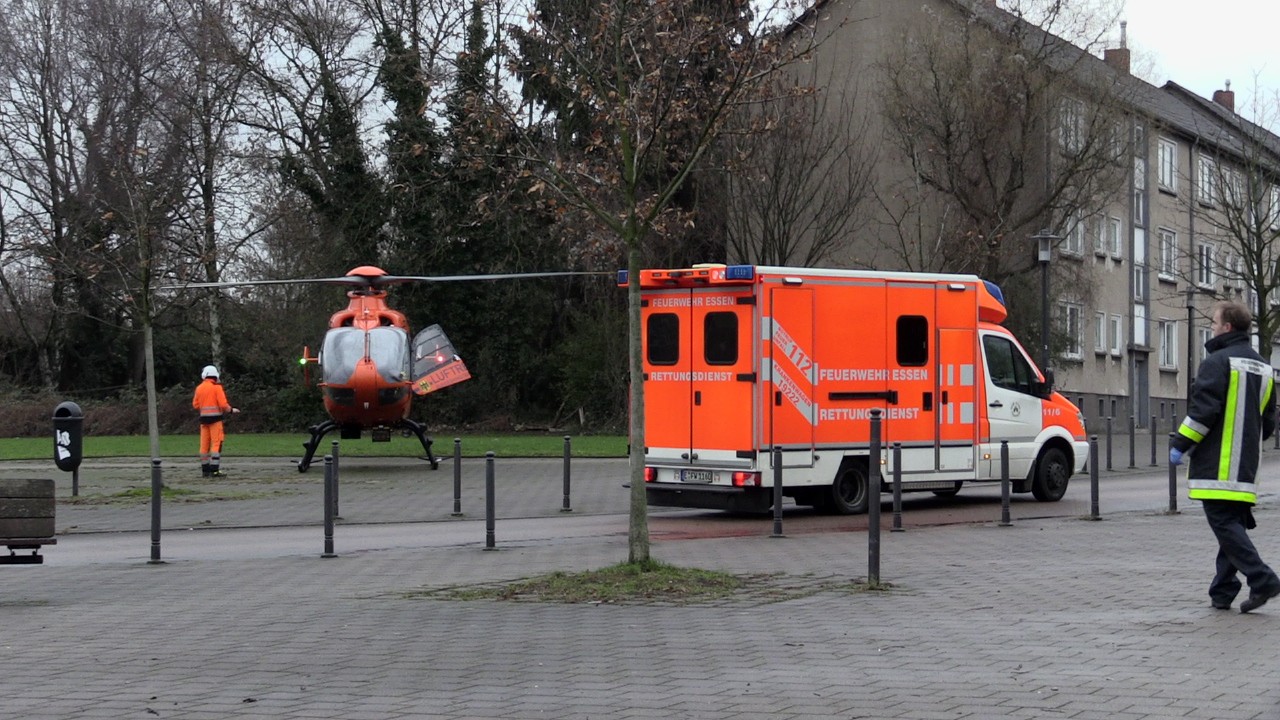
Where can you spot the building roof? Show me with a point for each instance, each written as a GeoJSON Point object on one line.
{"type": "Point", "coordinates": [1173, 107]}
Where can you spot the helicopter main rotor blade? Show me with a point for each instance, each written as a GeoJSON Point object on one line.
{"type": "Point", "coordinates": [348, 280]}
{"type": "Point", "coordinates": [371, 277]}
{"type": "Point", "coordinates": [402, 279]}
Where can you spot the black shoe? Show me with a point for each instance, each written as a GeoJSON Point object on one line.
{"type": "Point", "coordinates": [1257, 600]}
{"type": "Point", "coordinates": [1221, 605]}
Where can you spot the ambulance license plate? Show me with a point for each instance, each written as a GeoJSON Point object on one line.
{"type": "Point", "coordinates": [695, 476]}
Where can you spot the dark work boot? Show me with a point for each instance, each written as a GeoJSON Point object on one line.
{"type": "Point", "coordinates": [217, 472]}
{"type": "Point", "coordinates": [206, 470]}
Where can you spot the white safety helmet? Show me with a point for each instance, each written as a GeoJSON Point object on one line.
{"type": "Point", "coordinates": [209, 371]}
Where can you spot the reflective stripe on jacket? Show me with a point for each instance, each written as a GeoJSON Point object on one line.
{"type": "Point", "coordinates": [1232, 406]}
{"type": "Point", "coordinates": [211, 400]}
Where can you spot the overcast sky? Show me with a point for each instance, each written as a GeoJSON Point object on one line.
{"type": "Point", "coordinates": [1199, 44]}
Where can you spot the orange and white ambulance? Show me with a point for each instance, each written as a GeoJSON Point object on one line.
{"type": "Point", "coordinates": [742, 359]}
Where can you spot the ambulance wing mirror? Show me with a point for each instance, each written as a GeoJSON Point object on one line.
{"type": "Point", "coordinates": [1045, 389]}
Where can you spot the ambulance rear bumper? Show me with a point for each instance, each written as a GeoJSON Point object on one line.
{"type": "Point", "coordinates": [711, 497]}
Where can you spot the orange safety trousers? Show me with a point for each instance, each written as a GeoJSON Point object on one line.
{"type": "Point", "coordinates": [211, 437]}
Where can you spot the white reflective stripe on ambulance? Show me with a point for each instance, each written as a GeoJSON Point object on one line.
{"type": "Point", "coordinates": [799, 357]}
{"type": "Point", "coordinates": [792, 392]}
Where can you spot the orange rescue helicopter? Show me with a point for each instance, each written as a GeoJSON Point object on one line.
{"type": "Point", "coordinates": [370, 369]}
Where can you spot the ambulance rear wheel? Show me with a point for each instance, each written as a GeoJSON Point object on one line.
{"type": "Point", "coordinates": [849, 491]}
{"type": "Point", "coordinates": [1052, 474]}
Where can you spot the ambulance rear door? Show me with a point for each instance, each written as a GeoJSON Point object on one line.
{"type": "Point", "coordinates": [723, 379]}
{"type": "Point", "coordinates": [667, 345]}
{"type": "Point", "coordinates": [699, 377]}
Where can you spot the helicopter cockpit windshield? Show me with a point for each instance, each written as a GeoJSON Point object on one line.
{"type": "Point", "coordinates": [344, 347]}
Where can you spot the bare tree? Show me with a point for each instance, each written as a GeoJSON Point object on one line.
{"type": "Point", "coordinates": [1234, 203]}
{"type": "Point", "coordinates": [1005, 127]}
{"type": "Point", "coordinates": [797, 173]}
{"type": "Point", "coordinates": [636, 94]}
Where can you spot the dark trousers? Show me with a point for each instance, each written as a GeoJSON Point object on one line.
{"type": "Point", "coordinates": [1229, 521]}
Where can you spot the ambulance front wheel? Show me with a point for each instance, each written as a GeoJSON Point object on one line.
{"type": "Point", "coordinates": [849, 491]}
{"type": "Point", "coordinates": [1052, 474]}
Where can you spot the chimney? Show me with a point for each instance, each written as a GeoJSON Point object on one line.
{"type": "Point", "coordinates": [1118, 58]}
{"type": "Point", "coordinates": [1226, 98]}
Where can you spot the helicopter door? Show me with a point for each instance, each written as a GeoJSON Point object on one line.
{"type": "Point", "coordinates": [435, 364]}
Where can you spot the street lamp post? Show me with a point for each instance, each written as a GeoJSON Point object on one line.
{"type": "Point", "coordinates": [1191, 322]}
{"type": "Point", "coordinates": [1044, 251]}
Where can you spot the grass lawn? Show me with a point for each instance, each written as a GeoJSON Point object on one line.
{"type": "Point", "coordinates": [290, 445]}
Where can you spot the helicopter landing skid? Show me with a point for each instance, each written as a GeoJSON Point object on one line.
{"type": "Point", "coordinates": [319, 431]}
{"type": "Point", "coordinates": [422, 437]}
{"type": "Point", "coordinates": [317, 434]}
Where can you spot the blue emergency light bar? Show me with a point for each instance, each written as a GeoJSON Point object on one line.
{"type": "Point", "coordinates": [995, 291]}
{"type": "Point", "coordinates": [740, 272]}
{"type": "Point", "coordinates": [622, 277]}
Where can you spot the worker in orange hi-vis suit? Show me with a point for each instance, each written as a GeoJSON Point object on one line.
{"type": "Point", "coordinates": [211, 402]}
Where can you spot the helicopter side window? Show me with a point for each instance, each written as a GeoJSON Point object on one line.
{"type": "Point", "coordinates": [389, 350]}
{"type": "Point", "coordinates": [343, 348]}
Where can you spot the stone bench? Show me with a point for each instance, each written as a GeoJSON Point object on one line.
{"type": "Point", "coordinates": [26, 519]}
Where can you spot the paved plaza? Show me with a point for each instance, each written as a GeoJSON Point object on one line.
{"type": "Point", "coordinates": [1050, 618]}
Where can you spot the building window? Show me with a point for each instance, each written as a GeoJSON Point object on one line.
{"type": "Point", "coordinates": [1233, 188]}
{"type": "Point", "coordinates": [1205, 335]}
{"type": "Point", "coordinates": [1070, 127]}
{"type": "Point", "coordinates": [1117, 334]}
{"type": "Point", "coordinates": [1140, 324]}
{"type": "Point", "coordinates": [1167, 164]}
{"type": "Point", "coordinates": [1273, 210]}
{"type": "Point", "coordinates": [1100, 333]}
{"type": "Point", "coordinates": [1204, 265]}
{"type": "Point", "coordinates": [1070, 315]}
{"type": "Point", "coordinates": [1168, 253]}
{"type": "Point", "coordinates": [1139, 281]}
{"type": "Point", "coordinates": [1073, 244]}
{"type": "Point", "coordinates": [1208, 188]}
{"type": "Point", "coordinates": [1098, 233]}
{"type": "Point", "coordinates": [1140, 191]}
{"type": "Point", "coordinates": [1168, 344]}
{"type": "Point", "coordinates": [1114, 231]}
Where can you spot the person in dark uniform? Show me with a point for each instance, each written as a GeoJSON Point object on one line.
{"type": "Point", "coordinates": [1232, 409]}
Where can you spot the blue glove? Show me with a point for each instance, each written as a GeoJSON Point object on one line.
{"type": "Point", "coordinates": [1175, 456]}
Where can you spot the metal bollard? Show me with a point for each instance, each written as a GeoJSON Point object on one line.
{"type": "Point", "coordinates": [1173, 483]}
{"type": "Point", "coordinates": [75, 483]}
{"type": "Point", "coordinates": [777, 493]}
{"type": "Point", "coordinates": [1093, 478]}
{"type": "Point", "coordinates": [157, 483]}
{"type": "Point", "coordinates": [1004, 484]}
{"type": "Point", "coordinates": [897, 488]}
{"type": "Point", "coordinates": [457, 477]}
{"type": "Point", "coordinates": [1154, 434]}
{"type": "Point", "coordinates": [328, 508]}
{"type": "Point", "coordinates": [336, 512]}
{"type": "Point", "coordinates": [567, 454]}
{"type": "Point", "coordinates": [1109, 419]}
{"type": "Point", "coordinates": [873, 503]}
{"type": "Point", "coordinates": [489, 542]}
{"type": "Point", "coordinates": [1133, 459]}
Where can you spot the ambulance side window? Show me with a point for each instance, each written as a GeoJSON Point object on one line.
{"type": "Point", "coordinates": [913, 341]}
{"type": "Point", "coordinates": [720, 336]}
{"type": "Point", "coordinates": [1007, 367]}
{"type": "Point", "coordinates": [664, 338]}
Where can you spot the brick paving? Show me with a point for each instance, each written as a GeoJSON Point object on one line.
{"type": "Point", "coordinates": [1050, 618]}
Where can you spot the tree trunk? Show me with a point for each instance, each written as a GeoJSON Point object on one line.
{"type": "Point", "coordinates": [638, 529]}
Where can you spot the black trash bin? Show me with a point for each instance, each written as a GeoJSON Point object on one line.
{"type": "Point", "coordinates": [68, 436]}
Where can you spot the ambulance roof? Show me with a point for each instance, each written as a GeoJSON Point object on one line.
{"type": "Point", "coordinates": [991, 307]}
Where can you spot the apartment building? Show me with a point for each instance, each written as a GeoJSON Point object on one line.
{"type": "Point", "coordinates": [1138, 260]}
